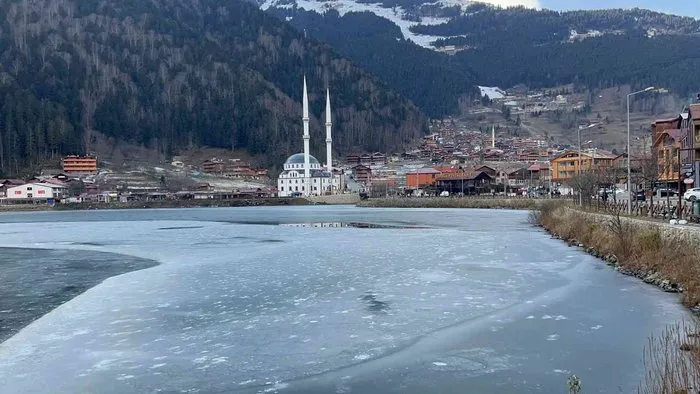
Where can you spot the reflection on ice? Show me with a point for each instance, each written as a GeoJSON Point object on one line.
{"type": "Point", "coordinates": [348, 224]}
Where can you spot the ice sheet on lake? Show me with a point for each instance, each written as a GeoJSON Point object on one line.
{"type": "Point", "coordinates": [226, 309]}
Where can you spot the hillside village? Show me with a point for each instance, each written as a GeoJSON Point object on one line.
{"type": "Point", "coordinates": [495, 148]}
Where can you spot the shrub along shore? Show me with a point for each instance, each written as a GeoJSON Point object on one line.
{"type": "Point", "coordinates": [446, 202]}
{"type": "Point", "coordinates": [663, 256]}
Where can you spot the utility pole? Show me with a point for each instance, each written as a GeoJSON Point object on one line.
{"type": "Point", "coordinates": [629, 150]}
{"type": "Point", "coordinates": [580, 189]}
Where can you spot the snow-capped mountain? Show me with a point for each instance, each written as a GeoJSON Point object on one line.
{"type": "Point", "coordinates": [451, 21]}
{"type": "Point", "coordinates": [404, 14]}
{"type": "Point", "coordinates": [445, 54]}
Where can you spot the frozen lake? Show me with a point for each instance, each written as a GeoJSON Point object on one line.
{"type": "Point", "coordinates": [255, 300]}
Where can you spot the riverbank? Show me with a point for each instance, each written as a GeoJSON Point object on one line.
{"type": "Point", "coordinates": [445, 202]}
{"type": "Point", "coordinates": [252, 202]}
{"type": "Point", "coordinates": [664, 256]}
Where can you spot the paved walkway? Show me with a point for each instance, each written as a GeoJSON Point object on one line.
{"type": "Point", "coordinates": [659, 222]}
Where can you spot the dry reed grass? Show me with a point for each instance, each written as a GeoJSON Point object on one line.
{"type": "Point", "coordinates": [442, 202]}
{"type": "Point", "coordinates": [672, 361]}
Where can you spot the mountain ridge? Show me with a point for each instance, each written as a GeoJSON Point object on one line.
{"type": "Point", "coordinates": [491, 46]}
{"type": "Point", "coordinates": [176, 74]}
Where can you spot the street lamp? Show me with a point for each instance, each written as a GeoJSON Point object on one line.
{"type": "Point", "coordinates": [629, 149]}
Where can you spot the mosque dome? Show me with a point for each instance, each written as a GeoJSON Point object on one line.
{"type": "Point", "coordinates": [299, 159]}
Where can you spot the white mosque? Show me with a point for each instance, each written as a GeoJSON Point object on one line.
{"type": "Point", "coordinates": [303, 175]}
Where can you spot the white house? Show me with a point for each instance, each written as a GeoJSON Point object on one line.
{"type": "Point", "coordinates": [32, 192]}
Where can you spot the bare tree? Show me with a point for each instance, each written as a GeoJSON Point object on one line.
{"type": "Point", "coordinates": [648, 171]}
{"type": "Point", "coordinates": [586, 183]}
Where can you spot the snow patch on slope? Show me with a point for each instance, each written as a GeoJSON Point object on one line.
{"type": "Point", "coordinates": [493, 93]}
{"type": "Point", "coordinates": [396, 15]}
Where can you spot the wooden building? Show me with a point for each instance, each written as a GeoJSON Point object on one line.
{"type": "Point", "coordinates": [566, 166]}
{"type": "Point", "coordinates": [469, 182]}
{"type": "Point", "coordinates": [362, 173]}
{"type": "Point", "coordinates": [80, 164]}
{"type": "Point", "coordinates": [421, 178]}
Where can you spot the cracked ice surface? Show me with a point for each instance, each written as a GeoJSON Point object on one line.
{"type": "Point", "coordinates": [253, 306]}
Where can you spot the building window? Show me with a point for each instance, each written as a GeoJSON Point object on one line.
{"type": "Point", "coordinates": [315, 188]}
{"type": "Point", "coordinates": [282, 188]}
{"type": "Point", "coordinates": [296, 188]}
{"type": "Point", "coordinates": [29, 188]}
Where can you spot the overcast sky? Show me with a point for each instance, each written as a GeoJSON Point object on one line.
{"type": "Point", "coordinates": [677, 7]}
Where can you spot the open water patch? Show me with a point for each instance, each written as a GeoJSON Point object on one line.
{"type": "Point", "coordinates": [180, 228]}
{"type": "Point", "coordinates": [35, 281]}
{"type": "Point", "coordinates": [88, 243]}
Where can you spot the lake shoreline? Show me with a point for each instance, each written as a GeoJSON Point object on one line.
{"type": "Point", "coordinates": [88, 206]}
{"type": "Point", "coordinates": [657, 255]}
{"type": "Point", "coordinates": [454, 202]}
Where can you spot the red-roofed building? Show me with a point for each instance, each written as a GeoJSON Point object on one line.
{"type": "Point", "coordinates": [421, 178]}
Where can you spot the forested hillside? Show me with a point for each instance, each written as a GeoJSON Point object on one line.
{"type": "Point", "coordinates": [434, 81]}
{"type": "Point", "coordinates": [172, 74]}
{"type": "Point", "coordinates": [503, 47]}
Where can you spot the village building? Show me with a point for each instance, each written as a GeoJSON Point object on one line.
{"type": "Point", "coordinates": [362, 173]}
{"type": "Point", "coordinates": [665, 148]}
{"type": "Point", "coordinates": [464, 182]}
{"type": "Point", "coordinates": [233, 168]}
{"type": "Point", "coordinates": [566, 166]}
{"type": "Point", "coordinates": [34, 193]}
{"type": "Point", "coordinates": [421, 178]}
{"type": "Point", "coordinates": [8, 183]}
{"type": "Point", "coordinates": [79, 164]}
{"type": "Point", "coordinates": [368, 159]}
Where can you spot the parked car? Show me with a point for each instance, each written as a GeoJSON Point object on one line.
{"type": "Point", "coordinates": [666, 193]}
{"type": "Point", "coordinates": [692, 194]}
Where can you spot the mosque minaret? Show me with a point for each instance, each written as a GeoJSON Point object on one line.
{"type": "Point", "coordinates": [303, 175]}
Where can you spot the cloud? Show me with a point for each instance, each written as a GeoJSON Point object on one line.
{"type": "Point", "coordinates": [512, 3]}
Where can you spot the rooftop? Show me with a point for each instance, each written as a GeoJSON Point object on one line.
{"type": "Point", "coordinates": [299, 159]}
{"type": "Point", "coordinates": [423, 171]}
{"type": "Point", "coordinates": [694, 111]}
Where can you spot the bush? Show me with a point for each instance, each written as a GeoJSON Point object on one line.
{"type": "Point", "coordinates": [672, 361]}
